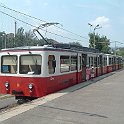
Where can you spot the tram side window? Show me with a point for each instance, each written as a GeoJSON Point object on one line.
{"type": "Point", "coordinates": [30, 64]}
{"type": "Point", "coordinates": [114, 59]}
{"type": "Point", "coordinates": [51, 64]}
{"type": "Point", "coordinates": [98, 61]}
{"type": "Point", "coordinates": [92, 63]}
{"type": "Point", "coordinates": [95, 61]}
{"type": "Point", "coordinates": [79, 62]}
{"type": "Point", "coordinates": [73, 63]}
{"type": "Point", "coordinates": [89, 62]}
{"type": "Point", "coordinates": [105, 61]}
{"type": "Point", "coordinates": [110, 61]}
{"type": "Point", "coordinates": [117, 61]}
{"type": "Point", "coordinates": [64, 64]}
{"type": "Point", "coordinates": [9, 64]}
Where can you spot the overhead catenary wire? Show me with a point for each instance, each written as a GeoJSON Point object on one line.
{"type": "Point", "coordinates": [40, 20]}
{"type": "Point", "coordinates": [39, 28]}
{"type": "Point", "coordinates": [20, 12]}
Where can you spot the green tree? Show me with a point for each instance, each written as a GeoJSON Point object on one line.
{"type": "Point", "coordinates": [20, 38]}
{"type": "Point", "coordinates": [30, 39]}
{"type": "Point", "coordinates": [91, 40]}
{"type": "Point", "coordinates": [119, 51]}
{"type": "Point", "coordinates": [2, 39]}
{"type": "Point", "coordinates": [10, 40]}
{"type": "Point", "coordinates": [100, 43]}
{"type": "Point", "coordinates": [25, 38]}
{"type": "Point", "coordinates": [75, 43]}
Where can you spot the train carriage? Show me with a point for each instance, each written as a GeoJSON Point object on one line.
{"type": "Point", "coordinates": [120, 62]}
{"type": "Point", "coordinates": [33, 72]}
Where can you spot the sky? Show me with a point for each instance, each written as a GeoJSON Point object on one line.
{"type": "Point", "coordinates": [72, 15]}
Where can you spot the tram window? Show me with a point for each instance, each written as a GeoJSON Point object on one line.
{"type": "Point", "coordinates": [51, 64]}
{"type": "Point", "coordinates": [9, 64]}
{"type": "Point", "coordinates": [30, 64]}
{"type": "Point", "coordinates": [64, 64]}
{"type": "Point", "coordinates": [95, 61]}
{"type": "Point", "coordinates": [119, 61]}
{"type": "Point", "coordinates": [98, 61]}
{"type": "Point", "coordinates": [79, 62]}
{"type": "Point", "coordinates": [114, 60]}
{"type": "Point", "coordinates": [92, 61]}
{"type": "Point", "coordinates": [73, 63]}
{"type": "Point", "coordinates": [110, 61]}
{"type": "Point", "coordinates": [89, 61]}
{"type": "Point", "coordinates": [104, 61]}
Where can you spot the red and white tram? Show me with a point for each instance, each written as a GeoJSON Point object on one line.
{"type": "Point", "coordinates": [32, 72]}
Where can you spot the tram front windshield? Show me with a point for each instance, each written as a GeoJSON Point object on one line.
{"type": "Point", "coordinates": [30, 64]}
{"type": "Point", "coordinates": [9, 64]}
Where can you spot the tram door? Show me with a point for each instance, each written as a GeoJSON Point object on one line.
{"type": "Point", "coordinates": [84, 62]}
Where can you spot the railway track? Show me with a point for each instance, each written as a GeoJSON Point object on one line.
{"type": "Point", "coordinates": [7, 102]}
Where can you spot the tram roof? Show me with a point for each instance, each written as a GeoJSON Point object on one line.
{"type": "Point", "coordinates": [63, 47]}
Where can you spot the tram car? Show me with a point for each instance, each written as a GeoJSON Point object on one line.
{"type": "Point", "coordinates": [35, 71]}
{"type": "Point", "coordinates": [114, 63]}
{"type": "Point", "coordinates": [119, 63]}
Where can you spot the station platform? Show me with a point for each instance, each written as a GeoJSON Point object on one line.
{"type": "Point", "coordinates": [100, 101]}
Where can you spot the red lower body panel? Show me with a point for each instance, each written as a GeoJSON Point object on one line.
{"type": "Point", "coordinates": [41, 86]}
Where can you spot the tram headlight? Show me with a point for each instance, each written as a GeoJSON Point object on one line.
{"type": "Point", "coordinates": [7, 84]}
{"type": "Point", "coordinates": [30, 86]}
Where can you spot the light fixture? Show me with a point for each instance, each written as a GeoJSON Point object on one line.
{"type": "Point", "coordinates": [30, 86]}
{"type": "Point", "coordinates": [7, 85]}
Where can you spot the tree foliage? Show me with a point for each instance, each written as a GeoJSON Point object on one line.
{"type": "Point", "coordinates": [21, 38]}
{"type": "Point", "coordinates": [119, 51]}
{"type": "Point", "coordinates": [75, 43]}
{"type": "Point", "coordinates": [2, 38]}
{"type": "Point", "coordinates": [27, 38]}
{"type": "Point", "coordinates": [100, 43]}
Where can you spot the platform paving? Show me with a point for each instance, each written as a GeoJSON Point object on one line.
{"type": "Point", "coordinates": [100, 101]}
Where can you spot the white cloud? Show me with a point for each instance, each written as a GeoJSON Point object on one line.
{"type": "Point", "coordinates": [102, 21]}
